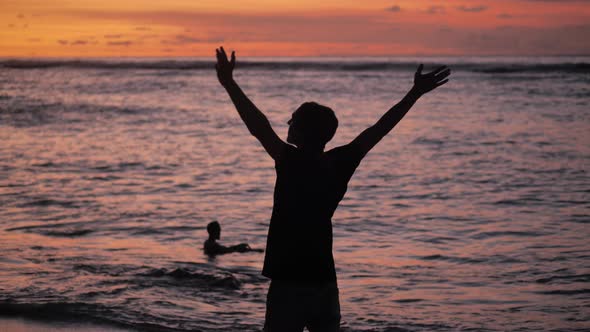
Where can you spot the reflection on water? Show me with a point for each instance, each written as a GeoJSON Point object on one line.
{"type": "Point", "coordinates": [472, 214]}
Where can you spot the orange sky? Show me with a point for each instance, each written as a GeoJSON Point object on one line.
{"type": "Point", "coordinates": [81, 28]}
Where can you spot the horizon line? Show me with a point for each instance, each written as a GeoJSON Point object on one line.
{"type": "Point", "coordinates": [284, 56]}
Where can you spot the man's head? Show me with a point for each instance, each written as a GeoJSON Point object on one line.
{"type": "Point", "coordinates": [214, 230]}
{"type": "Point", "coordinates": [312, 124]}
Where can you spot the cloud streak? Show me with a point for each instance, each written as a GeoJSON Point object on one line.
{"type": "Point", "coordinates": [78, 42]}
{"type": "Point", "coordinates": [125, 43]}
{"type": "Point", "coordinates": [436, 10]}
{"type": "Point", "coordinates": [472, 9]}
{"type": "Point", "coordinates": [188, 39]}
{"type": "Point", "coordinates": [394, 9]}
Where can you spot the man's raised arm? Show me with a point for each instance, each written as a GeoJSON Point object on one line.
{"type": "Point", "coordinates": [255, 120]}
{"type": "Point", "coordinates": [423, 83]}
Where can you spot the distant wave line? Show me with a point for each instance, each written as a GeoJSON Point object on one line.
{"type": "Point", "coordinates": [490, 68]}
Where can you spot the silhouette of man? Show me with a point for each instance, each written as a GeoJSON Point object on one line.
{"type": "Point", "coordinates": [212, 248]}
{"type": "Point", "coordinates": [310, 183]}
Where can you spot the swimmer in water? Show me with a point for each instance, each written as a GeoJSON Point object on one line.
{"type": "Point", "coordinates": [212, 248]}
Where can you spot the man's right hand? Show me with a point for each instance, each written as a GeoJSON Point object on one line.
{"type": "Point", "coordinates": [224, 66]}
{"type": "Point", "coordinates": [424, 83]}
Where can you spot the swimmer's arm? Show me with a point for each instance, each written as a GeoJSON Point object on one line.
{"type": "Point", "coordinates": [423, 83]}
{"type": "Point", "coordinates": [242, 247]}
{"type": "Point", "coordinates": [217, 249]}
{"type": "Point", "coordinates": [256, 122]}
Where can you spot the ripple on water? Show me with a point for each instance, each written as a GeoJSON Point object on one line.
{"type": "Point", "coordinates": [453, 259]}
{"type": "Point", "coordinates": [107, 176]}
{"type": "Point", "coordinates": [494, 234]}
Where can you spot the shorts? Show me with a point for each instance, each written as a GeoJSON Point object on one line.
{"type": "Point", "coordinates": [291, 306]}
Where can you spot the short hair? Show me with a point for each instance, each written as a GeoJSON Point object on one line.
{"type": "Point", "coordinates": [316, 121]}
{"type": "Point", "coordinates": [212, 225]}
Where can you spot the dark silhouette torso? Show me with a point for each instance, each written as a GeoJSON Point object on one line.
{"type": "Point", "coordinates": [211, 248]}
{"type": "Point", "coordinates": [307, 192]}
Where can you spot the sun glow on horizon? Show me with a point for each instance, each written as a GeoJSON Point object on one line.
{"type": "Point", "coordinates": [286, 28]}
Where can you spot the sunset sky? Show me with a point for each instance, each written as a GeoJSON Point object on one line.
{"type": "Point", "coordinates": [92, 28]}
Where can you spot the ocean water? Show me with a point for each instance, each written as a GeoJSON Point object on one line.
{"type": "Point", "coordinates": [472, 215]}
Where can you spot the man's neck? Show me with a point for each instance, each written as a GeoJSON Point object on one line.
{"type": "Point", "coordinates": [312, 150]}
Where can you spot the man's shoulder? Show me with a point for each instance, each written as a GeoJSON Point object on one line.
{"type": "Point", "coordinates": [287, 155]}
{"type": "Point", "coordinates": [347, 152]}
{"type": "Point", "coordinates": [286, 150]}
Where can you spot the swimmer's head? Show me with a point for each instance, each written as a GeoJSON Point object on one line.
{"type": "Point", "coordinates": [312, 124]}
{"type": "Point", "coordinates": [214, 230]}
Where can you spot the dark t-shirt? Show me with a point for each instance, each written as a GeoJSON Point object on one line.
{"type": "Point", "coordinates": [307, 192]}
